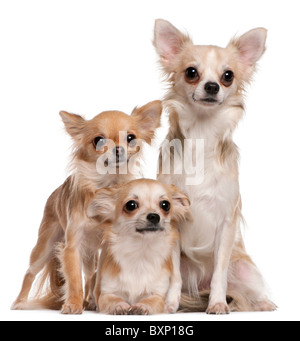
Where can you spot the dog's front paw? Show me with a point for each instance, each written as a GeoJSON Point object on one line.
{"type": "Point", "coordinates": [173, 300]}
{"type": "Point", "coordinates": [90, 305]}
{"type": "Point", "coordinates": [218, 309]}
{"type": "Point", "coordinates": [70, 308]}
{"type": "Point", "coordinates": [171, 308]}
{"type": "Point", "coordinates": [121, 308]}
{"type": "Point", "coordinates": [139, 309]}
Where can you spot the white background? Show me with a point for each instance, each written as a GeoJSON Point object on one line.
{"type": "Point", "coordinates": [90, 56]}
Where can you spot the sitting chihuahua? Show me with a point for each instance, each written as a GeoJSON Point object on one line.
{"type": "Point", "coordinates": [139, 268]}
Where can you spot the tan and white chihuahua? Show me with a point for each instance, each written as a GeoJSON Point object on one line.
{"type": "Point", "coordinates": [206, 101]}
{"type": "Point", "coordinates": [101, 156]}
{"type": "Point", "coordinates": [139, 267]}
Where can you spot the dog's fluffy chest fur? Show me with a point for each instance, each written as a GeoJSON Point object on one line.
{"type": "Point", "coordinates": [143, 267]}
{"type": "Point", "coordinates": [217, 189]}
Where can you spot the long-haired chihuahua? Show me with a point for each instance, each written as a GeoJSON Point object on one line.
{"type": "Point", "coordinates": [139, 267]}
{"type": "Point", "coordinates": [100, 154]}
{"type": "Point", "coordinates": [206, 101]}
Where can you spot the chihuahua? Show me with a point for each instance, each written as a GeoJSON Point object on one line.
{"type": "Point", "coordinates": [100, 154]}
{"type": "Point", "coordinates": [206, 101]}
{"type": "Point", "coordinates": [139, 267]}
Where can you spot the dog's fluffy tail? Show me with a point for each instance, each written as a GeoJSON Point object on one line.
{"type": "Point", "coordinates": [189, 303]}
{"type": "Point", "coordinates": [236, 302]}
{"type": "Point", "coordinates": [49, 291]}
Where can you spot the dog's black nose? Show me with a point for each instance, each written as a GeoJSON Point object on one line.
{"type": "Point", "coordinates": [153, 218]}
{"type": "Point", "coordinates": [119, 151]}
{"type": "Point", "coordinates": [212, 88]}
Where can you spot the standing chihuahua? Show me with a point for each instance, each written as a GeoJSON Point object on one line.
{"type": "Point", "coordinates": [100, 154]}
{"type": "Point", "coordinates": [206, 100]}
{"type": "Point", "coordinates": [139, 268]}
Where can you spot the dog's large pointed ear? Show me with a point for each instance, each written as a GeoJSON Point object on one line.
{"type": "Point", "coordinates": [250, 46]}
{"type": "Point", "coordinates": [74, 124]}
{"type": "Point", "coordinates": [103, 205]}
{"type": "Point", "coordinates": [148, 119]}
{"type": "Point", "coordinates": [169, 42]}
{"type": "Point", "coordinates": [181, 206]}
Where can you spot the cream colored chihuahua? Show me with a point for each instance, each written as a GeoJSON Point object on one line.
{"type": "Point", "coordinates": [206, 101]}
{"type": "Point", "coordinates": [139, 267]}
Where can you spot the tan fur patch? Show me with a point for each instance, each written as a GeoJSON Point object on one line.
{"type": "Point", "coordinates": [154, 303]}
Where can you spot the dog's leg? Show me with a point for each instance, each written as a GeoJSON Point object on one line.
{"type": "Point", "coordinates": [71, 266]}
{"type": "Point", "coordinates": [246, 285]}
{"type": "Point", "coordinates": [91, 301]}
{"type": "Point", "coordinates": [225, 237]}
{"type": "Point", "coordinates": [112, 304]}
{"type": "Point", "coordinates": [72, 272]}
{"type": "Point", "coordinates": [89, 267]}
{"type": "Point", "coordinates": [153, 304]}
{"type": "Point", "coordinates": [40, 256]}
{"type": "Point", "coordinates": [174, 293]}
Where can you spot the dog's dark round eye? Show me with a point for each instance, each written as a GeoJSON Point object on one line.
{"type": "Point", "coordinates": [165, 205]}
{"type": "Point", "coordinates": [131, 139]}
{"type": "Point", "coordinates": [99, 142]}
{"type": "Point", "coordinates": [192, 74]}
{"type": "Point", "coordinates": [131, 206]}
{"type": "Point", "coordinates": [227, 78]}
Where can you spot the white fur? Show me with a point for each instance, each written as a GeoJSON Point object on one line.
{"type": "Point", "coordinates": [210, 198]}
{"type": "Point", "coordinates": [141, 259]}
{"type": "Point", "coordinates": [151, 152]}
{"type": "Point", "coordinates": [174, 293]}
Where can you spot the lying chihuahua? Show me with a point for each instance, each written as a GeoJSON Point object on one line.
{"type": "Point", "coordinates": [206, 100]}
{"type": "Point", "coordinates": [139, 268]}
{"type": "Point", "coordinates": [100, 152]}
